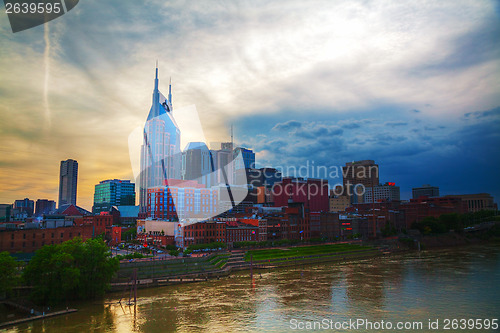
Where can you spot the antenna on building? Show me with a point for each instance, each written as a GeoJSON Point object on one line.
{"type": "Point", "coordinates": [170, 93]}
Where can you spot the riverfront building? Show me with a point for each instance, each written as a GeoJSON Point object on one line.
{"type": "Point", "coordinates": [476, 202]}
{"type": "Point", "coordinates": [28, 240]}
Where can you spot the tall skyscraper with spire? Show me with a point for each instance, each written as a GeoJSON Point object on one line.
{"type": "Point", "coordinates": [160, 151]}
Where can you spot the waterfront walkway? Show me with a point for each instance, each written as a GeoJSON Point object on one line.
{"type": "Point", "coordinates": [37, 317]}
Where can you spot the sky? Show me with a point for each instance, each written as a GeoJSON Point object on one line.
{"type": "Point", "coordinates": [413, 85]}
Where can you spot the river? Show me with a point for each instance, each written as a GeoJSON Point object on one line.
{"type": "Point", "coordinates": [405, 288]}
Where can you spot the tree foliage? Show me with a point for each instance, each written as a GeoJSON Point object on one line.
{"type": "Point", "coordinates": [129, 234]}
{"type": "Point", "coordinates": [389, 230]}
{"type": "Point", "coordinates": [8, 272]}
{"type": "Point", "coordinates": [71, 270]}
{"type": "Point", "coordinates": [209, 246]}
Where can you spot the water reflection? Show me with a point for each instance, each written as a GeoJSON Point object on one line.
{"type": "Point", "coordinates": [452, 284]}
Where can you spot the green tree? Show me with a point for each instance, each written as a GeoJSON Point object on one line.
{"type": "Point", "coordinates": [8, 274]}
{"type": "Point", "coordinates": [129, 234]}
{"type": "Point", "coordinates": [389, 230]}
{"type": "Point", "coordinates": [71, 270]}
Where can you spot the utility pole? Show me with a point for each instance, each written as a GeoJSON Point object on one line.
{"type": "Point", "coordinates": [135, 286]}
{"type": "Point", "coordinates": [251, 267]}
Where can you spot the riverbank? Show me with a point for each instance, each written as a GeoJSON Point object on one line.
{"type": "Point", "coordinates": [187, 270]}
{"type": "Point", "coordinates": [409, 287]}
{"type": "Point", "coordinates": [35, 317]}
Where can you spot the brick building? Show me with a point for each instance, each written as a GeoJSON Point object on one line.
{"type": "Point", "coordinates": [204, 232]}
{"type": "Point", "coordinates": [30, 240]}
{"type": "Point", "coordinates": [241, 232]}
{"type": "Point", "coordinates": [101, 222]}
{"type": "Point", "coordinates": [418, 209]}
{"type": "Point", "coordinates": [313, 193]}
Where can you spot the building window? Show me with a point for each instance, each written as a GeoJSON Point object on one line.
{"type": "Point", "coordinates": [43, 235]}
{"type": "Point", "coordinates": [62, 234]}
{"type": "Point", "coordinates": [52, 237]}
{"type": "Point", "coordinates": [12, 244]}
{"type": "Point", "coordinates": [33, 244]}
{"type": "Point", "coordinates": [24, 236]}
{"type": "Point", "coordinates": [24, 244]}
{"type": "Point", "coordinates": [12, 236]}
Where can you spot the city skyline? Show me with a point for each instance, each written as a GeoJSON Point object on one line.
{"type": "Point", "coordinates": [411, 86]}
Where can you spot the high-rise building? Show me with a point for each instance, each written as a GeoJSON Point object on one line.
{"type": "Point", "coordinates": [44, 206]}
{"type": "Point", "coordinates": [160, 151]}
{"type": "Point", "coordinates": [248, 161]}
{"type": "Point", "coordinates": [266, 177]}
{"type": "Point", "coordinates": [24, 207]}
{"type": "Point", "coordinates": [270, 176]}
{"type": "Point", "coordinates": [113, 192]}
{"type": "Point", "coordinates": [198, 164]}
{"type": "Point", "coordinates": [359, 174]}
{"type": "Point", "coordinates": [385, 192]}
{"type": "Point", "coordinates": [5, 212]}
{"type": "Point", "coordinates": [222, 159]}
{"type": "Point", "coordinates": [68, 179]}
{"type": "Point", "coordinates": [425, 191]}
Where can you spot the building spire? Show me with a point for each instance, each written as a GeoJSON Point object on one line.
{"type": "Point", "coordinates": [156, 76]}
{"type": "Point", "coordinates": [156, 93]}
{"type": "Point", "coordinates": [170, 92]}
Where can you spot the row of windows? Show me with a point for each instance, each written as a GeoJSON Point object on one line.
{"type": "Point", "coordinates": [33, 244]}
{"type": "Point", "coordinates": [43, 235]}
{"type": "Point", "coordinates": [200, 233]}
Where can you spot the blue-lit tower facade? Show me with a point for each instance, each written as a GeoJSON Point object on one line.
{"type": "Point", "coordinates": [160, 151]}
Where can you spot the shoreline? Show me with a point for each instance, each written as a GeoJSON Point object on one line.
{"type": "Point", "coordinates": [262, 265]}
{"type": "Point", "coordinates": [227, 270]}
{"type": "Point", "coordinates": [258, 268]}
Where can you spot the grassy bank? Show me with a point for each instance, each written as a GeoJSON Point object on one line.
{"type": "Point", "coordinates": [302, 251]}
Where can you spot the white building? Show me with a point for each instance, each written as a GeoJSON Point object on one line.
{"type": "Point", "coordinates": [386, 192]}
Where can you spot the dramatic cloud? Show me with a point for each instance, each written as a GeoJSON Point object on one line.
{"type": "Point", "coordinates": [286, 126]}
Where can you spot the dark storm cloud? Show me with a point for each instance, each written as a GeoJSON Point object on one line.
{"type": "Point", "coordinates": [476, 47]}
{"type": "Point", "coordinates": [286, 126]}
{"type": "Point", "coordinates": [483, 114]}
{"type": "Point", "coordinates": [396, 123]}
